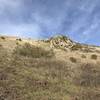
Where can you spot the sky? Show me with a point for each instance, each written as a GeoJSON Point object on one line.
{"type": "Point", "coordinates": [40, 19]}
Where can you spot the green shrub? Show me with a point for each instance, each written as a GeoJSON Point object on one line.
{"type": "Point", "coordinates": [94, 56]}
{"type": "Point", "coordinates": [32, 51]}
{"type": "Point", "coordinates": [73, 60]}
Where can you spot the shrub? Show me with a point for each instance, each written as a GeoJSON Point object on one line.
{"type": "Point", "coordinates": [83, 56]}
{"type": "Point", "coordinates": [72, 59]}
{"type": "Point", "coordinates": [88, 75]}
{"type": "Point", "coordinates": [17, 43]}
{"type": "Point", "coordinates": [94, 56]}
{"type": "Point", "coordinates": [2, 37]}
{"type": "Point", "coordinates": [19, 39]}
{"type": "Point", "coordinates": [32, 51]}
{"type": "Point", "coordinates": [88, 94]}
{"type": "Point", "coordinates": [0, 45]}
{"type": "Point", "coordinates": [87, 49]}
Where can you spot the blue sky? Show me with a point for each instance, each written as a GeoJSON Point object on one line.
{"type": "Point", "coordinates": [78, 19]}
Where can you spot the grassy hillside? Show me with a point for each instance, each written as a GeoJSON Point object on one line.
{"type": "Point", "coordinates": [34, 70]}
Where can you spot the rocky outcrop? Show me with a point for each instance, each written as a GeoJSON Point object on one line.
{"type": "Point", "coordinates": [62, 42]}
{"type": "Point", "coordinates": [65, 43]}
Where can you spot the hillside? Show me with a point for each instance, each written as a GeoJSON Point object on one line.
{"type": "Point", "coordinates": [53, 69]}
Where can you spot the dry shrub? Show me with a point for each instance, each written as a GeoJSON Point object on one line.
{"type": "Point", "coordinates": [94, 56]}
{"type": "Point", "coordinates": [19, 39]}
{"type": "Point", "coordinates": [89, 94]}
{"type": "Point", "coordinates": [89, 75]}
{"type": "Point", "coordinates": [32, 51]}
{"type": "Point", "coordinates": [2, 37]}
{"type": "Point", "coordinates": [11, 93]}
{"type": "Point", "coordinates": [83, 56]}
{"type": "Point", "coordinates": [17, 43]}
{"type": "Point", "coordinates": [76, 47]}
{"type": "Point", "coordinates": [3, 55]}
{"type": "Point", "coordinates": [1, 46]}
{"type": "Point", "coordinates": [73, 60]}
{"type": "Point", "coordinates": [3, 76]}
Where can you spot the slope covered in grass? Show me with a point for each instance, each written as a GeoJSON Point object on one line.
{"type": "Point", "coordinates": [34, 71]}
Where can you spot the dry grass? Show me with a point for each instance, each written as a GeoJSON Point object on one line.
{"type": "Point", "coordinates": [26, 76]}
{"type": "Point", "coordinates": [88, 78]}
{"type": "Point", "coordinates": [76, 47]}
{"type": "Point", "coordinates": [32, 51]}
{"type": "Point", "coordinates": [89, 75]}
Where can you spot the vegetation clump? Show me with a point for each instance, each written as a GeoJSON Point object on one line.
{"type": "Point", "coordinates": [2, 37]}
{"type": "Point", "coordinates": [17, 43]}
{"type": "Point", "coordinates": [32, 51]}
{"type": "Point", "coordinates": [34, 73]}
{"type": "Point", "coordinates": [0, 45]}
{"type": "Point", "coordinates": [76, 47]}
{"type": "Point", "coordinates": [73, 60]}
{"type": "Point", "coordinates": [19, 39]}
{"type": "Point", "coordinates": [94, 56]}
{"type": "Point", "coordinates": [83, 56]}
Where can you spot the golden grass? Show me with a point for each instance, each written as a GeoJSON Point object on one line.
{"type": "Point", "coordinates": [39, 77]}
{"type": "Point", "coordinates": [32, 51]}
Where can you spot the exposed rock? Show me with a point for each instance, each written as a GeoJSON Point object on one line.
{"type": "Point", "coordinates": [65, 43]}
{"type": "Point", "coordinates": [62, 42]}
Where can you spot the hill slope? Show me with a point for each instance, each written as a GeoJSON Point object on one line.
{"type": "Point", "coordinates": [53, 69]}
